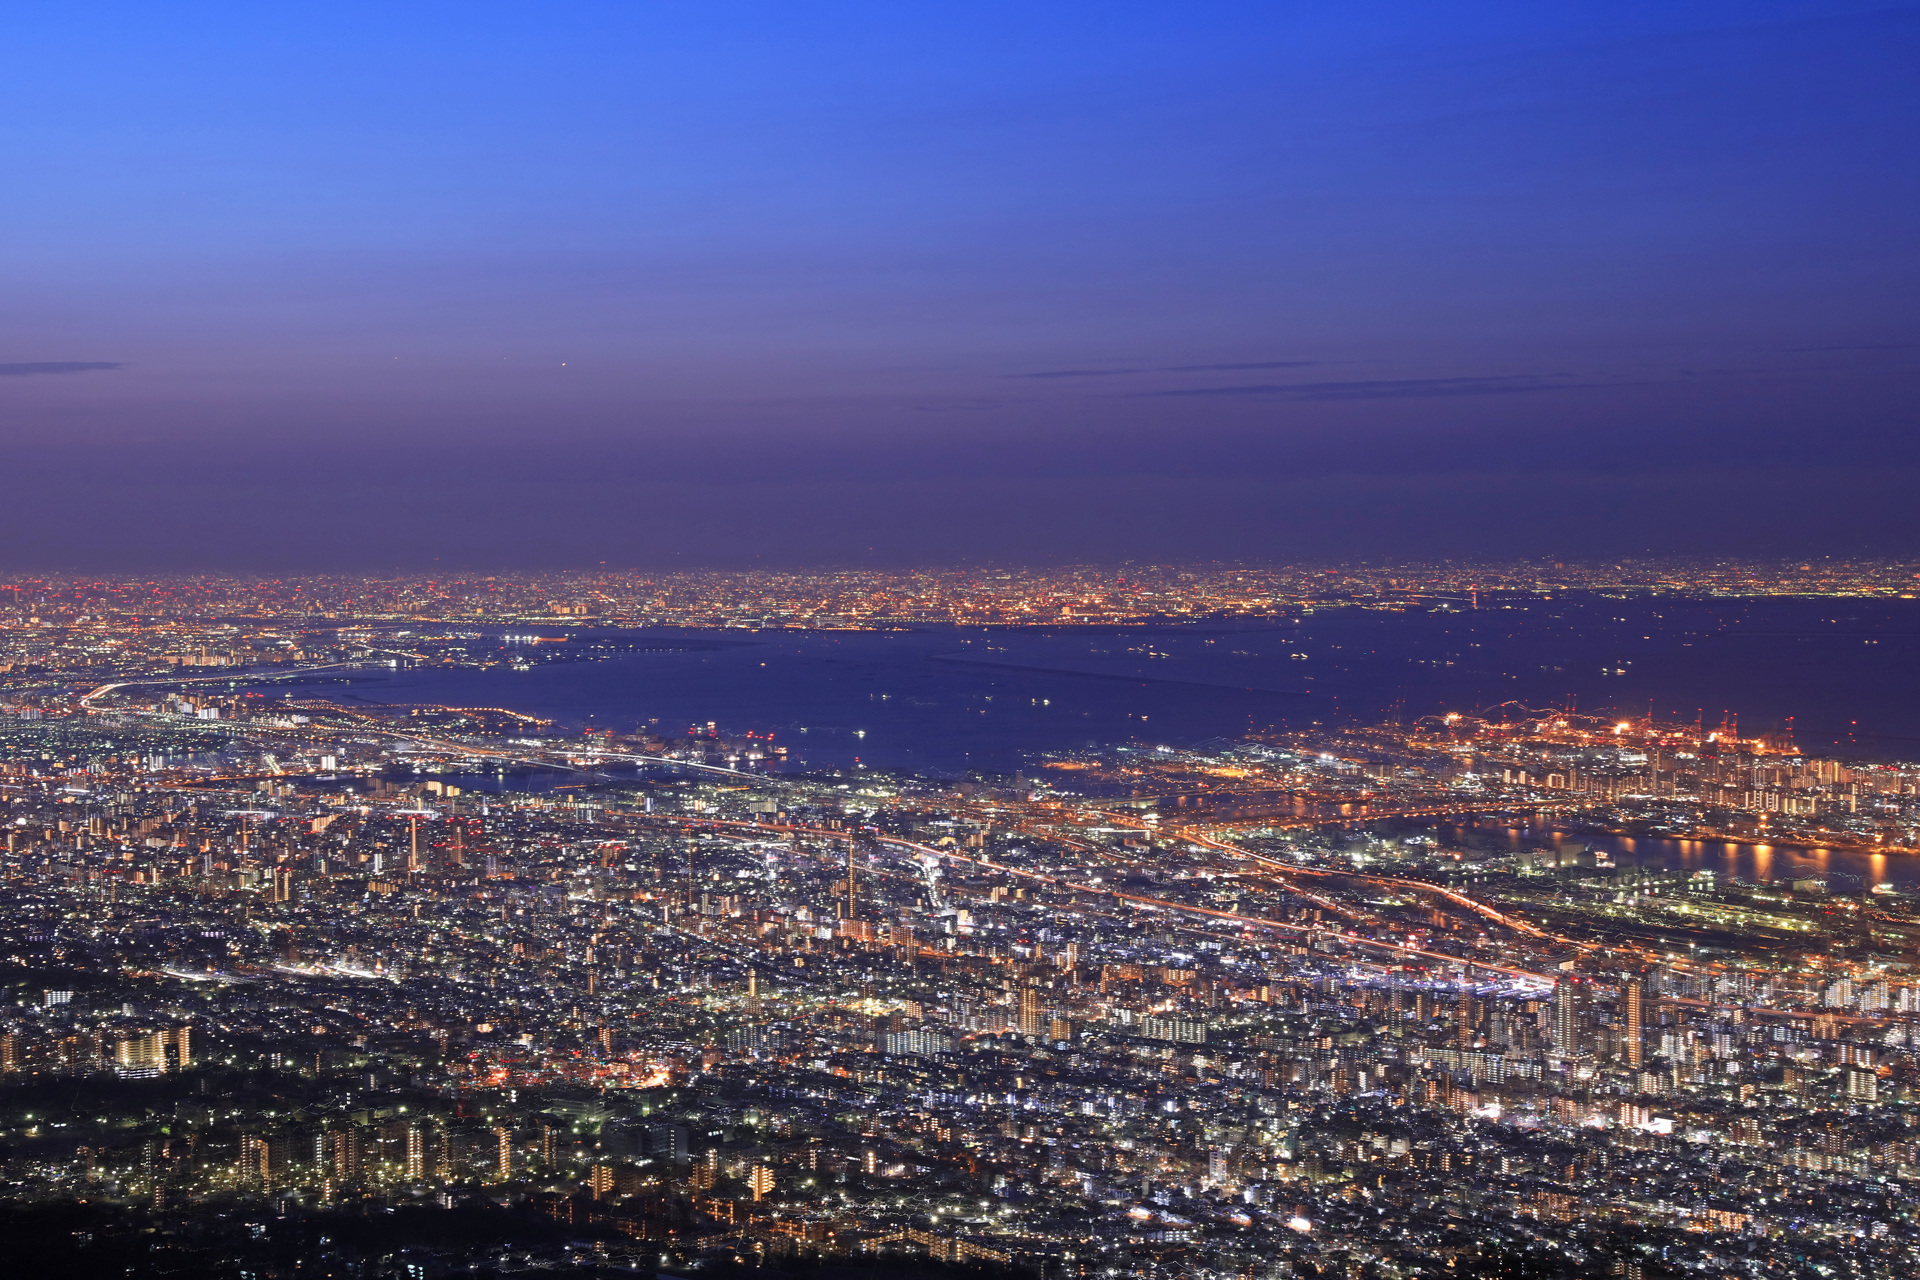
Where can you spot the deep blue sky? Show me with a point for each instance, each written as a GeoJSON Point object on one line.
{"type": "Point", "coordinates": [365, 285]}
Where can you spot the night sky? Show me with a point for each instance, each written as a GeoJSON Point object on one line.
{"type": "Point", "coordinates": [496, 286]}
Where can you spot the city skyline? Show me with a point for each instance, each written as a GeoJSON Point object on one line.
{"type": "Point", "coordinates": [1623, 997]}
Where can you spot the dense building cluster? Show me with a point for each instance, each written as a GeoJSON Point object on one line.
{"type": "Point", "coordinates": [305, 985]}
{"type": "Point", "coordinates": [1240, 1011]}
{"type": "Point", "coordinates": [71, 622]}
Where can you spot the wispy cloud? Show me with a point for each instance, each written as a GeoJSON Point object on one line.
{"type": "Point", "coordinates": [1864, 346]}
{"type": "Point", "coordinates": [29, 368]}
{"type": "Point", "coordinates": [956, 406]}
{"type": "Point", "coordinates": [1382, 388]}
{"type": "Point", "coordinates": [1073, 373]}
{"type": "Point", "coordinates": [1225, 368]}
{"type": "Point", "coordinates": [1169, 368]}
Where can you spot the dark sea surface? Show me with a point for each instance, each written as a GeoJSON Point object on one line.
{"type": "Point", "coordinates": [1844, 674]}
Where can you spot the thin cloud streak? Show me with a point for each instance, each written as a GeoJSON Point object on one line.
{"type": "Point", "coordinates": [1170, 368]}
{"type": "Point", "coordinates": [1073, 373]}
{"type": "Point", "coordinates": [1226, 368]}
{"type": "Point", "coordinates": [1863, 346]}
{"type": "Point", "coordinates": [1378, 389]}
{"type": "Point", "coordinates": [27, 369]}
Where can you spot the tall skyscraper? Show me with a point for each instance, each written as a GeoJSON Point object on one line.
{"type": "Point", "coordinates": [1030, 1020]}
{"type": "Point", "coordinates": [1636, 1040]}
{"type": "Point", "coordinates": [503, 1152]}
{"type": "Point", "coordinates": [1566, 1018]}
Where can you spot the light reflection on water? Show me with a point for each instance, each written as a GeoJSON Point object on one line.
{"type": "Point", "coordinates": [1734, 860]}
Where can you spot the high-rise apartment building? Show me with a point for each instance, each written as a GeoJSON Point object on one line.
{"type": "Point", "coordinates": [1635, 1044]}
{"type": "Point", "coordinates": [1032, 1023]}
{"type": "Point", "coordinates": [1566, 1017]}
